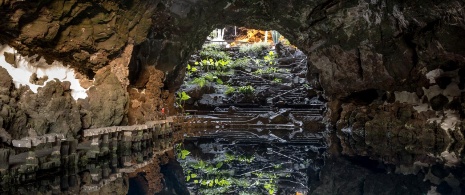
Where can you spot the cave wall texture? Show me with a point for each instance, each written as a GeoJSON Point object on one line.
{"type": "Point", "coordinates": [378, 62]}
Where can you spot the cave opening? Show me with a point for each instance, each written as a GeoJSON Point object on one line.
{"type": "Point", "coordinates": [256, 116]}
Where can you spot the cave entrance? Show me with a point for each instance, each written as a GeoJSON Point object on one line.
{"type": "Point", "coordinates": [253, 115]}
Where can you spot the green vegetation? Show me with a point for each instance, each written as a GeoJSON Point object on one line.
{"type": "Point", "coordinates": [277, 80]}
{"type": "Point", "coordinates": [213, 51]}
{"type": "Point", "coordinates": [241, 62]}
{"type": "Point", "coordinates": [205, 79]}
{"type": "Point", "coordinates": [254, 49]}
{"type": "Point", "coordinates": [181, 153]}
{"type": "Point", "coordinates": [182, 98]}
{"type": "Point", "coordinates": [270, 58]}
{"type": "Point", "coordinates": [214, 176]}
{"type": "Point", "coordinates": [268, 70]}
{"type": "Point", "coordinates": [229, 90]}
{"type": "Point", "coordinates": [200, 81]}
{"type": "Point", "coordinates": [246, 89]}
{"type": "Point", "coordinates": [211, 64]}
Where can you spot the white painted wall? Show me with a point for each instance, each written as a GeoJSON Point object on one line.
{"type": "Point", "coordinates": [26, 66]}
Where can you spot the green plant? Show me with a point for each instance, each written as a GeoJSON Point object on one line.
{"type": "Point", "coordinates": [277, 80]}
{"type": "Point", "coordinates": [183, 154]}
{"type": "Point", "coordinates": [229, 90]}
{"type": "Point", "coordinates": [270, 58]}
{"type": "Point", "coordinates": [254, 49]}
{"type": "Point", "coordinates": [182, 98]}
{"type": "Point", "coordinates": [212, 64]}
{"type": "Point", "coordinates": [210, 76]}
{"type": "Point", "coordinates": [246, 89]}
{"type": "Point", "coordinates": [241, 62]}
{"type": "Point", "coordinates": [270, 186]}
{"type": "Point", "coordinates": [268, 70]}
{"type": "Point", "coordinates": [200, 81]}
{"type": "Point", "coordinates": [191, 68]}
{"type": "Point", "coordinates": [213, 51]}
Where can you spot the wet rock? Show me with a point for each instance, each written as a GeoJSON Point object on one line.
{"type": "Point", "coordinates": [439, 171]}
{"type": "Point", "coordinates": [443, 82]}
{"type": "Point", "coordinates": [340, 177]}
{"type": "Point", "coordinates": [444, 188]}
{"type": "Point", "coordinates": [278, 119]}
{"type": "Point", "coordinates": [394, 184]}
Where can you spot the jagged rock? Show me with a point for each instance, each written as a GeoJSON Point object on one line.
{"type": "Point", "coordinates": [147, 97]}
{"type": "Point", "coordinates": [51, 110]}
{"type": "Point", "coordinates": [5, 137]}
{"type": "Point", "coordinates": [10, 58]}
{"type": "Point", "coordinates": [107, 101]}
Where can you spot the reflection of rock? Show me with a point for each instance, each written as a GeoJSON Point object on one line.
{"type": "Point", "coordinates": [313, 124]}
{"type": "Point", "coordinates": [340, 176]}
{"type": "Point", "coordinates": [367, 130]}
{"type": "Point", "coordinates": [417, 126]}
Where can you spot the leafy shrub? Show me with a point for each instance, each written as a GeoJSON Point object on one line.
{"type": "Point", "coordinates": [212, 64]}
{"type": "Point", "coordinates": [270, 58]}
{"type": "Point", "coordinates": [241, 62]}
{"type": "Point", "coordinates": [267, 70]}
{"type": "Point", "coordinates": [200, 81]}
{"type": "Point", "coordinates": [254, 49]}
{"type": "Point", "coordinates": [182, 97]}
{"type": "Point", "coordinates": [213, 51]}
{"type": "Point", "coordinates": [246, 89]}
{"type": "Point", "coordinates": [277, 80]}
{"type": "Point", "coordinates": [230, 90]}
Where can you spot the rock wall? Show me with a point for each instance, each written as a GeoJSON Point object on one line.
{"type": "Point", "coordinates": [365, 55]}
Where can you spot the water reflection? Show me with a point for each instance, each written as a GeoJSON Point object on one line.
{"type": "Point", "coordinates": [221, 158]}
{"type": "Point", "coordinates": [231, 164]}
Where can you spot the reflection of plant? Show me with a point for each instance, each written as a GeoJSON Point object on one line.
{"type": "Point", "coordinates": [246, 89]}
{"type": "Point", "coordinates": [214, 177]}
{"type": "Point", "coordinates": [270, 186]}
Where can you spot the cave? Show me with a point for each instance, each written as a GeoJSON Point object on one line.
{"type": "Point", "coordinates": [79, 77]}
